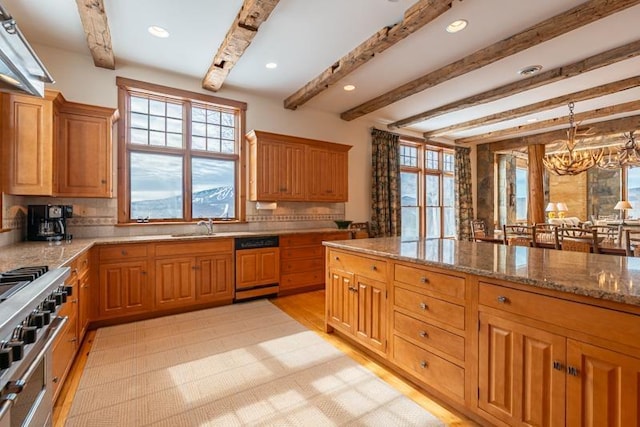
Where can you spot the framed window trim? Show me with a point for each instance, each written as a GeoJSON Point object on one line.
{"type": "Point", "coordinates": [422, 171]}
{"type": "Point", "coordinates": [127, 87]}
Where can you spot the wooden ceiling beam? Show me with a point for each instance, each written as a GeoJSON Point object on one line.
{"type": "Point", "coordinates": [537, 107]}
{"type": "Point", "coordinates": [96, 29]}
{"type": "Point", "coordinates": [417, 16]}
{"type": "Point", "coordinates": [563, 23]}
{"type": "Point", "coordinates": [606, 127]}
{"type": "Point", "coordinates": [591, 63]}
{"type": "Point", "coordinates": [240, 35]}
{"type": "Point", "coordinates": [587, 115]}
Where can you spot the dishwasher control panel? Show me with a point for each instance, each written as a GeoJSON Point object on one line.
{"type": "Point", "coordinates": [257, 242]}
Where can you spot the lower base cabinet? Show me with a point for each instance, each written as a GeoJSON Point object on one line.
{"type": "Point", "coordinates": [214, 278]}
{"type": "Point", "coordinates": [175, 282]}
{"type": "Point", "coordinates": [124, 289]}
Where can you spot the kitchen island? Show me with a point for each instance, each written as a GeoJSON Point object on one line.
{"type": "Point", "coordinates": [505, 334]}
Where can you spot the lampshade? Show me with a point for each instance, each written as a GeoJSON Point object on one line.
{"type": "Point", "coordinates": [622, 205]}
{"type": "Point", "coordinates": [551, 207]}
{"type": "Point", "coordinates": [562, 207]}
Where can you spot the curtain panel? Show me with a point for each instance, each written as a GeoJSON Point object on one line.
{"type": "Point", "coordinates": [463, 196]}
{"type": "Point", "coordinates": [385, 184]}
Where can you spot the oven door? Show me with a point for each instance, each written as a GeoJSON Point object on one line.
{"type": "Point", "coordinates": [30, 398]}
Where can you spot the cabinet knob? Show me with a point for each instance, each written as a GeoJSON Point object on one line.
{"type": "Point", "coordinates": [74, 271]}
{"type": "Point", "coordinates": [123, 252]}
{"type": "Point", "coordinates": [424, 364]}
{"type": "Point", "coordinates": [55, 379]}
{"type": "Point", "coordinates": [424, 280]}
{"type": "Point", "coordinates": [336, 258]}
{"type": "Point", "coordinates": [558, 366]}
{"type": "Point", "coordinates": [374, 268]}
{"type": "Point", "coordinates": [423, 306]}
{"type": "Point", "coordinates": [502, 299]}
{"type": "Point", "coordinates": [423, 334]}
{"type": "Point", "coordinates": [74, 339]}
{"type": "Point", "coordinates": [75, 301]}
{"type": "Point", "coordinates": [573, 371]}
{"type": "Point", "coordinates": [142, 272]}
{"type": "Point", "coordinates": [103, 181]}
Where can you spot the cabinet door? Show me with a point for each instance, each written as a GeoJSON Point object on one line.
{"type": "Point", "coordinates": [518, 382]}
{"type": "Point", "coordinates": [175, 281]}
{"type": "Point", "coordinates": [124, 289]}
{"type": "Point", "coordinates": [64, 350]}
{"type": "Point", "coordinates": [328, 171]}
{"type": "Point", "coordinates": [84, 155]}
{"type": "Point", "coordinates": [28, 144]}
{"type": "Point", "coordinates": [256, 267]}
{"type": "Point", "coordinates": [371, 321]}
{"type": "Point", "coordinates": [214, 278]}
{"type": "Point", "coordinates": [280, 171]}
{"type": "Point", "coordinates": [602, 387]}
{"type": "Point", "coordinates": [341, 300]}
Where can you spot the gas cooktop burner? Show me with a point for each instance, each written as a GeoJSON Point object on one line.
{"type": "Point", "coordinates": [14, 280]}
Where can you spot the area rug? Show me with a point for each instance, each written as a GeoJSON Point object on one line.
{"type": "Point", "coordinates": [242, 364]}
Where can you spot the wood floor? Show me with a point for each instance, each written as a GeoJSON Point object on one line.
{"type": "Point", "coordinates": [308, 309]}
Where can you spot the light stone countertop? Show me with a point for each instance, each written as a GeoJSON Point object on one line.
{"type": "Point", "coordinates": [609, 277]}
{"type": "Point", "coordinates": [57, 254]}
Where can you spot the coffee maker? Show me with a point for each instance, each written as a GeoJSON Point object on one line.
{"type": "Point", "coordinates": [48, 222]}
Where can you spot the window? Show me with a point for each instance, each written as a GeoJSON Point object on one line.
{"type": "Point", "coordinates": [633, 192]}
{"type": "Point", "coordinates": [181, 153]}
{"type": "Point", "coordinates": [521, 193]}
{"type": "Point", "coordinates": [427, 191]}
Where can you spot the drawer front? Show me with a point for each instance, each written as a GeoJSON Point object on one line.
{"type": "Point", "coordinates": [429, 308]}
{"type": "Point", "coordinates": [429, 368]}
{"type": "Point", "coordinates": [427, 335]}
{"type": "Point", "coordinates": [82, 263]}
{"type": "Point", "coordinates": [122, 252]}
{"type": "Point", "coordinates": [69, 309]}
{"type": "Point", "coordinates": [363, 266]}
{"type": "Point", "coordinates": [294, 266]}
{"type": "Point", "coordinates": [446, 284]}
{"type": "Point", "coordinates": [613, 325]}
{"type": "Point", "coordinates": [304, 252]}
{"type": "Point", "coordinates": [304, 239]}
{"type": "Point", "coordinates": [207, 246]}
{"type": "Point", "coordinates": [307, 278]}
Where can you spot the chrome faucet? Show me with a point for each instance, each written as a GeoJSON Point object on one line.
{"type": "Point", "coordinates": [208, 224]}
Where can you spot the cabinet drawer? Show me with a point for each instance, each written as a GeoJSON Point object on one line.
{"type": "Point", "coordinates": [82, 263]}
{"type": "Point", "coordinates": [600, 322]}
{"type": "Point", "coordinates": [64, 349]}
{"type": "Point", "coordinates": [425, 334]}
{"type": "Point", "coordinates": [442, 283]}
{"type": "Point", "coordinates": [122, 252]}
{"type": "Point", "coordinates": [70, 309]}
{"type": "Point", "coordinates": [429, 368]}
{"type": "Point", "coordinates": [305, 239]}
{"type": "Point", "coordinates": [429, 308]}
{"type": "Point", "coordinates": [363, 266]}
{"type": "Point", "coordinates": [306, 278]}
{"type": "Point", "coordinates": [207, 246]}
{"type": "Point", "coordinates": [294, 266]}
{"type": "Point", "coordinates": [304, 252]}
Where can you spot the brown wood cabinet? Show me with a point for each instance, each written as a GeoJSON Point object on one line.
{"type": "Point", "coordinates": [256, 267]}
{"type": "Point", "coordinates": [288, 168]}
{"type": "Point", "coordinates": [56, 148]}
{"type": "Point", "coordinates": [302, 261]}
{"type": "Point", "coordinates": [214, 278]}
{"type": "Point", "coordinates": [357, 298]}
{"type": "Point", "coordinates": [175, 281]}
{"type": "Point", "coordinates": [124, 289]}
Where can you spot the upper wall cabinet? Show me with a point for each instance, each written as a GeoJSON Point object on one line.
{"type": "Point", "coordinates": [56, 148]}
{"type": "Point", "coordinates": [289, 168]}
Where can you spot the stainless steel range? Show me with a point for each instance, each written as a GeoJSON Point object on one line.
{"type": "Point", "coordinates": [29, 302]}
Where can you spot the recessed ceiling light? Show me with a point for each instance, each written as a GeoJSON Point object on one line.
{"type": "Point", "coordinates": [457, 25]}
{"type": "Point", "coordinates": [271, 65]}
{"type": "Point", "coordinates": [531, 69]}
{"type": "Point", "coordinates": [160, 32]}
{"type": "Point", "coordinates": [349, 88]}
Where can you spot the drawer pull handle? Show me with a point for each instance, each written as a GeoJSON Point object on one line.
{"type": "Point", "coordinates": [74, 271]}
{"type": "Point", "coordinates": [502, 299]}
{"type": "Point", "coordinates": [75, 301]}
{"type": "Point", "coordinates": [424, 364]}
{"type": "Point", "coordinates": [123, 253]}
{"type": "Point", "coordinates": [55, 379]}
{"type": "Point", "coordinates": [573, 371]}
{"type": "Point", "coordinates": [424, 280]}
{"type": "Point", "coordinates": [423, 334]}
{"type": "Point", "coordinates": [423, 306]}
{"type": "Point", "coordinates": [374, 268]}
{"type": "Point", "coordinates": [558, 366]}
{"type": "Point", "coordinates": [353, 289]}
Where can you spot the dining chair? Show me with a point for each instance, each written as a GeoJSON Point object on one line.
{"type": "Point", "coordinates": [545, 235]}
{"type": "Point", "coordinates": [609, 235]}
{"type": "Point", "coordinates": [517, 235]}
{"type": "Point", "coordinates": [632, 242]}
{"type": "Point", "coordinates": [578, 239]}
{"type": "Point", "coordinates": [478, 229]}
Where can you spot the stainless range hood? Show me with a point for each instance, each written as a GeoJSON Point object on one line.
{"type": "Point", "coordinates": [20, 69]}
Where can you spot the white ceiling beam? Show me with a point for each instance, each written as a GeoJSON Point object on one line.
{"type": "Point", "coordinates": [96, 29]}
{"type": "Point", "coordinates": [240, 35]}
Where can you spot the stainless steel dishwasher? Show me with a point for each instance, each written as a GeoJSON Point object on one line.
{"type": "Point", "coordinates": [257, 267]}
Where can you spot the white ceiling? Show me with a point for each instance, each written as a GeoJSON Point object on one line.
{"type": "Point", "coordinates": [306, 36]}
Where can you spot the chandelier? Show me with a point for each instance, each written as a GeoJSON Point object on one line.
{"type": "Point", "coordinates": [629, 154]}
{"type": "Point", "coordinates": [571, 161]}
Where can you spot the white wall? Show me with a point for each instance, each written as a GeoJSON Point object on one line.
{"type": "Point", "coordinates": [80, 81]}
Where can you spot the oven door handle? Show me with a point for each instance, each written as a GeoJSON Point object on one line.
{"type": "Point", "coordinates": [7, 403]}
{"type": "Point", "coordinates": [18, 385]}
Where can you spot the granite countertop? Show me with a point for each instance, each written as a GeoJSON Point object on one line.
{"type": "Point", "coordinates": [609, 277]}
{"type": "Point", "coordinates": [57, 254]}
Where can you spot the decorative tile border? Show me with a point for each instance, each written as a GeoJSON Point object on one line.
{"type": "Point", "coordinates": [89, 221]}
{"type": "Point", "coordinates": [283, 218]}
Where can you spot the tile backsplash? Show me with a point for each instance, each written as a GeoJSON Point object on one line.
{"type": "Point", "coordinates": [94, 217]}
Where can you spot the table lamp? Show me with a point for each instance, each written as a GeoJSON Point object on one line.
{"type": "Point", "coordinates": [551, 210]}
{"type": "Point", "coordinates": [622, 206]}
{"type": "Point", "coordinates": [562, 208]}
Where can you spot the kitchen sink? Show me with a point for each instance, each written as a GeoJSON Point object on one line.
{"type": "Point", "coordinates": [193, 235]}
